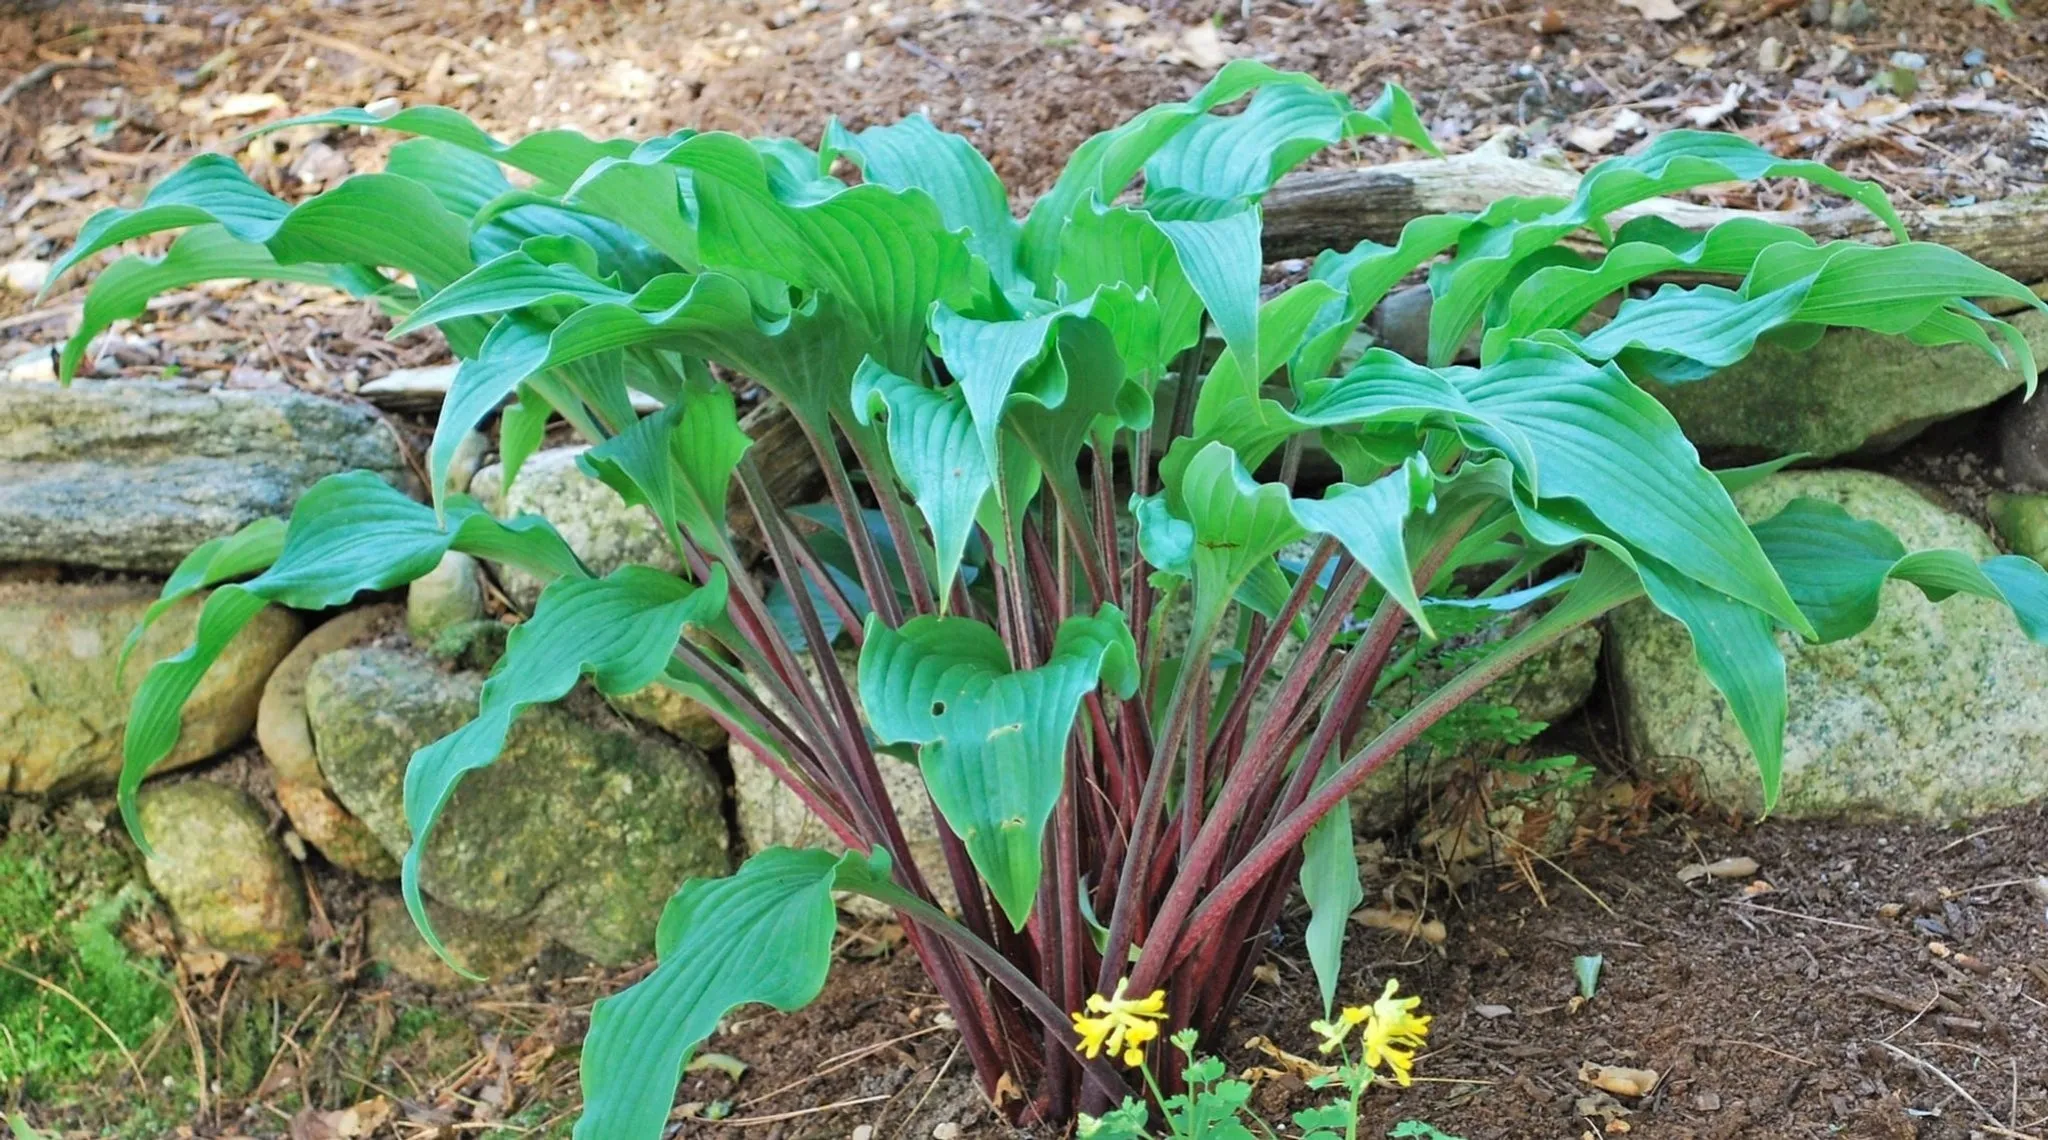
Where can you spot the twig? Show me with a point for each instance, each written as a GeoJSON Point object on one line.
{"type": "Point", "coordinates": [928, 1091]}
{"type": "Point", "coordinates": [1996, 1125]}
{"type": "Point", "coordinates": [85, 1009]}
{"type": "Point", "coordinates": [795, 1113]}
{"type": "Point", "coordinates": [1763, 1048]}
{"type": "Point", "coordinates": [43, 71]}
{"type": "Point", "coordinates": [262, 1082]}
{"type": "Point", "coordinates": [1978, 834]}
{"type": "Point", "coordinates": [1808, 917]}
{"type": "Point", "coordinates": [1568, 876]}
{"type": "Point", "coordinates": [192, 1037]}
{"type": "Point", "coordinates": [1923, 1011]}
{"type": "Point", "coordinates": [841, 1061]}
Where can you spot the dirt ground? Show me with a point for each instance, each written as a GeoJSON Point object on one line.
{"type": "Point", "coordinates": [1882, 981]}
{"type": "Point", "coordinates": [1938, 100]}
{"type": "Point", "coordinates": [1877, 982]}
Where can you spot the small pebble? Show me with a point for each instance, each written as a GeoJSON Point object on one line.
{"type": "Point", "coordinates": [853, 61]}
{"type": "Point", "coordinates": [946, 1131]}
{"type": "Point", "coordinates": [25, 276]}
{"type": "Point", "coordinates": [1974, 57]}
{"type": "Point", "coordinates": [1770, 55]}
{"type": "Point", "coordinates": [1910, 60]}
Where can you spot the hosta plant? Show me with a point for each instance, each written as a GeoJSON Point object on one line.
{"type": "Point", "coordinates": [1070, 546]}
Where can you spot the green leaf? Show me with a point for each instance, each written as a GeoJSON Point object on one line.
{"type": "Point", "coordinates": [619, 630]}
{"type": "Point", "coordinates": [678, 463]}
{"type": "Point", "coordinates": [699, 315]}
{"type": "Point", "coordinates": [1673, 162]}
{"type": "Point", "coordinates": [1102, 167]}
{"type": "Point", "coordinates": [1599, 440]}
{"type": "Point", "coordinates": [551, 271]}
{"type": "Point", "coordinates": [207, 253]}
{"type": "Point", "coordinates": [1370, 521]}
{"type": "Point", "coordinates": [993, 739]}
{"type": "Point", "coordinates": [248, 550]}
{"type": "Point", "coordinates": [1239, 157]}
{"type": "Point", "coordinates": [210, 189]}
{"type": "Point", "coordinates": [556, 157]}
{"type": "Point", "coordinates": [1682, 333]}
{"type": "Point", "coordinates": [1238, 524]}
{"type": "Point", "coordinates": [932, 442]}
{"type": "Point", "coordinates": [1836, 566]}
{"type": "Point", "coordinates": [1222, 259]}
{"type": "Point", "coordinates": [1111, 247]}
{"type": "Point", "coordinates": [1330, 886]}
{"type": "Point", "coordinates": [886, 254]}
{"type": "Point", "coordinates": [1586, 968]}
{"type": "Point", "coordinates": [912, 153]}
{"type": "Point", "coordinates": [1739, 654]}
{"type": "Point", "coordinates": [1556, 297]}
{"type": "Point", "coordinates": [763, 934]}
{"type": "Point", "coordinates": [1230, 406]}
{"type": "Point", "coordinates": [349, 533]}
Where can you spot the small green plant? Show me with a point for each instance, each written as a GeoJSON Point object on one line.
{"type": "Point", "coordinates": [1127, 784]}
{"type": "Point", "coordinates": [72, 996]}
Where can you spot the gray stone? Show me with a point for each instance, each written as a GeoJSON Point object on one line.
{"type": "Point", "coordinates": [590, 516]}
{"type": "Point", "coordinates": [227, 881]}
{"type": "Point", "coordinates": [287, 742]}
{"type": "Point", "coordinates": [447, 596]}
{"type": "Point", "coordinates": [2022, 521]}
{"type": "Point", "coordinates": [64, 708]}
{"type": "Point", "coordinates": [1935, 711]}
{"type": "Point", "coordinates": [1854, 392]}
{"type": "Point", "coordinates": [496, 950]}
{"type": "Point", "coordinates": [2023, 442]}
{"type": "Point", "coordinates": [582, 828]}
{"type": "Point", "coordinates": [132, 475]}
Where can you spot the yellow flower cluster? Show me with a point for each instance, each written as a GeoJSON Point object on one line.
{"type": "Point", "coordinates": [1122, 1025]}
{"type": "Point", "coordinates": [1392, 1033]}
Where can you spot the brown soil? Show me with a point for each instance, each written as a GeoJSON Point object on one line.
{"type": "Point", "coordinates": [1836, 993]}
{"type": "Point", "coordinates": [1025, 82]}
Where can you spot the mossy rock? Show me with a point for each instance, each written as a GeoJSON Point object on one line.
{"type": "Point", "coordinates": [1854, 392]}
{"type": "Point", "coordinates": [582, 828]}
{"type": "Point", "coordinates": [227, 880]}
{"type": "Point", "coordinates": [1936, 711]}
{"type": "Point", "coordinates": [495, 950]}
{"type": "Point", "coordinates": [64, 704]}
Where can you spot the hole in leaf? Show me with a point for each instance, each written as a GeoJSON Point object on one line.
{"type": "Point", "coordinates": [938, 708]}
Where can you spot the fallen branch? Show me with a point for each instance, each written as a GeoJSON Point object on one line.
{"type": "Point", "coordinates": [43, 71]}
{"type": "Point", "coordinates": [1334, 209]}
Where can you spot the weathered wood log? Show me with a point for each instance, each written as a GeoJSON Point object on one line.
{"type": "Point", "coordinates": [1334, 209]}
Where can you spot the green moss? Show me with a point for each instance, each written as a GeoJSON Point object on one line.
{"type": "Point", "coordinates": [63, 900]}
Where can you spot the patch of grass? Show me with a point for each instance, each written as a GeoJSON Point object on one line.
{"type": "Point", "coordinates": [63, 899]}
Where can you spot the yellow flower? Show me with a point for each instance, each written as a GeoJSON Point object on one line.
{"type": "Point", "coordinates": [1333, 1034]}
{"type": "Point", "coordinates": [1393, 1033]}
{"type": "Point", "coordinates": [1122, 1025]}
